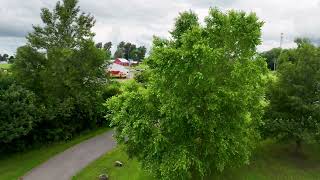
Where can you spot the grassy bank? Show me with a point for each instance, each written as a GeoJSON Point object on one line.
{"type": "Point", "coordinates": [5, 66]}
{"type": "Point", "coordinates": [105, 165]}
{"type": "Point", "coordinates": [269, 161]}
{"type": "Point", "coordinates": [16, 165]}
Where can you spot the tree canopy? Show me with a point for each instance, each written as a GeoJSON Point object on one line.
{"type": "Point", "coordinates": [203, 101]}
{"type": "Point", "coordinates": [63, 67]}
{"type": "Point", "coordinates": [65, 27]}
{"type": "Point", "coordinates": [128, 51]}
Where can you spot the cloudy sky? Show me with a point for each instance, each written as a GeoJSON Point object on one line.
{"type": "Point", "coordinates": [138, 20]}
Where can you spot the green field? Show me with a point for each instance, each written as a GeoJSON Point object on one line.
{"type": "Point", "coordinates": [269, 161]}
{"type": "Point", "coordinates": [5, 66]}
{"type": "Point", "coordinates": [16, 165]}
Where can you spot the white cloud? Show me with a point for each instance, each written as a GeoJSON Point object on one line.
{"type": "Point", "coordinates": [138, 20]}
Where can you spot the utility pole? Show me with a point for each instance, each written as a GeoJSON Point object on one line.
{"type": "Point", "coordinates": [281, 42]}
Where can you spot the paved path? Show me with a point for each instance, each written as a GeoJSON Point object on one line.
{"type": "Point", "coordinates": [66, 164]}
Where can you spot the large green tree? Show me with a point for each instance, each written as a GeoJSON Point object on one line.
{"type": "Point", "coordinates": [62, 66]}
{"type": "Point", "coordinates": [294, 111]}
{"type": "Point", "coordinates": [203, 101]}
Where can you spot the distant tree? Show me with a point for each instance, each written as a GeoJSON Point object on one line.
{"type": "Point", "coordinates": [130, 51]}
{"type": "Point", "coordinates": [294, 111]}
{"type": "Point", "coordinates": [272, 56]}
{"type": "Point", "coordinates": [107, 48]}
{"type": "Point", "coordinates": [99, 45]}
{"type": "Point", "coordinates": [141, 53]}
{"type": "Point", "coordinates": [120, 52]}
{"type": "Point", "coordinates": [11, 59]}
{"type": "Point", "coordinates": [4, 57]}
{"type": "Point", "coordinates": [203, 102]}
{"type": "Point", "coordinates": [301, 41]}
{"type": "Point", "coordinates": [0, 57]}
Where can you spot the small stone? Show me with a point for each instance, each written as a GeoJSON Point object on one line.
{"type": "Point", "coordinates": [103, 177]}
{"type": "Point", "coordinates": [118, 164]}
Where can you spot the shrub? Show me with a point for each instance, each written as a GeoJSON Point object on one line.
{"type": "Point", "coordinates": [18, 115]}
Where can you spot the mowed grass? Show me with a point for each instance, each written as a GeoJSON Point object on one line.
{"type": "Point", "coordinates": [16, 165]}
{"type": "Point", "coordinates": [131, 169]}
{"type": "Point", "coordinates": [269, 161]}
{"type": "Point", "coordinates": [278, 161]}
{"type": "Point", "coordinates": [5, 66]}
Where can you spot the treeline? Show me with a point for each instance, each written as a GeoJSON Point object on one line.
{"type": "Point", "coordinates": [6, 58]}
{"type": "Point", "coordinates": [125, 50]}
{"type": "Point", "coordinates": [57, 84]}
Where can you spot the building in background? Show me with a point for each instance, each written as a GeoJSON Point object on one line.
{"type": "Point", "coordinates": [117, 70]}
{"type": "Point", "coordinates": [122, 61]}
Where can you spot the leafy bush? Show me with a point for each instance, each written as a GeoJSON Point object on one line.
{"type": "Point", "coordinates": [143, 76]}
{"type": "Point", "coordinates": [110, 90]}
{"type": "Point", "coordinates": [18, 115]}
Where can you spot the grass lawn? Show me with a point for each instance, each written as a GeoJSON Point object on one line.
{"type": "Point", "coordinates": [131, 168]}
{"type": "Point", "coordinates": [16, 165]}
{"type": "Point", "coordinates": [5, 66]}
{"type": "Point", "coordinates": [269, 161]}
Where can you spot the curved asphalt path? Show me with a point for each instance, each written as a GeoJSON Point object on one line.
{"type": "Point", "coordinates": [66, 164]}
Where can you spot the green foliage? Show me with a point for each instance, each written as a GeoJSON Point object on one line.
{"type": "Point", "coordinates": [64, 68]}
{"type": "Point", "coordinates": [107, 47]}
{"type": "Point", "coordinates": [185, 22]}
{"type": "Point", "coordinates": [65, 27]}
{"type": "Point", "coordinates": [143, 76]}
{"type": "Point", "coordinates": [203, 101]}
{"type": "Point", "coordinates": [128, 51]}
{"type": "Point", "coordinates": [294, 112]}
{"type": "Point", "coordinates": [272, 57]}
{"type": "Point", "coordinates": [18, 114]}
{"type": "Point", "coordinates": [4, 57]}
{"type": "Point", "coordinates": [111, 90]}
{"type": "Point", "coordinates": [143, 73]}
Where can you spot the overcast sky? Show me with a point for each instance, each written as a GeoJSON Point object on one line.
{"type": "Point", "coordinates": [138, 20]}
